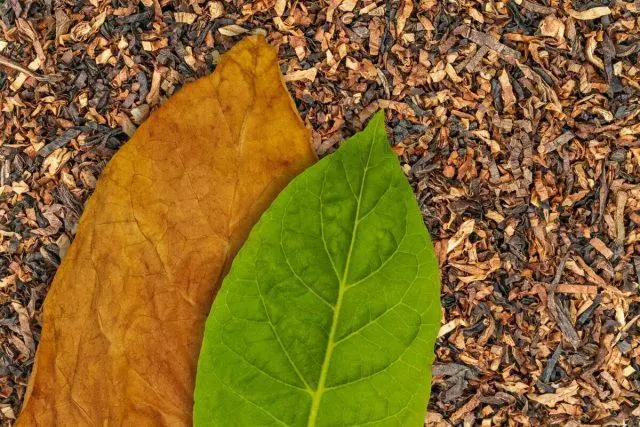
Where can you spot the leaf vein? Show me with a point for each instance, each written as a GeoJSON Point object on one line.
{"type": "Point", "coordinates": [277, 336]}
{"type": "Point", "coordinates": [378, 372]}
{"type": "Point", "coordinates": [317, 396]}
{"type": "Point", "coordinates": [278, 420]}
{"type": "Point", "coordinates": [375, 319]}
{"type": "Point", "coordinates": [324, 240]}
{"type": "Point", "coordinates": [295, 273]}
{"type": "Point", "coordinates": [258, 368]}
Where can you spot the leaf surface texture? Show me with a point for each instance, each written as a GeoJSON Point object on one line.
{"type": "Point", "coordinates": [329, 314]}
{"type": "Point", "coordinates": [124, 318]}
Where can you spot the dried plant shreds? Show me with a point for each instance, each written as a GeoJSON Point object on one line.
{"type": "Point", "coordinates": [124, 317]}
{"type": "Point", "coordinates": [466, 155]}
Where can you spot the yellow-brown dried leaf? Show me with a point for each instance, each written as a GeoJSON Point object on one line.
{"type": "Point", "coordinates": [123, 320]}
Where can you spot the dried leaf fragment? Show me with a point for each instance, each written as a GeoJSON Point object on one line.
{"type": "Point", "coordinates": [216, 9]}
{"type": "Point", "coordinates": [589, 14]}
{"type": "Point", "coordinates": [308, 74]}
{"type": "Point", "coordinates": [562, 394]}
{"type": "Point", "coordinates": [552, 27]}
{"type": "Point", "coordinates": [403, 15]}
{"type": "Point", "coordinates": [508, 96]}
{"type": "Point", "coordinates": [279, 7]}
{"type": "Point", "coordinates": [185, 17]}
{"type": "Point", "coordinates": [232, 30]}
{"type": "Point", "coordinates": [123, 320]}
{"type": "Point", "coordinates": [556, 143]}
{"type": "Point", "coordinates": [535, 7]}
{"type": "Point", "coordinates": [463, 232]}
{"type": "Point", "coordinates": [84, 30]}
{"type": "Point", "coordinates": [483, 39]}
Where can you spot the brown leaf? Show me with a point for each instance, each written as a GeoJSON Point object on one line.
{"type": "Point", "coordinates": [279, 7]}
{"type": "Point", "coordinates": [562, 319]}
{"type": "Point", "coordinates": [403, 15]}
{"type": "Point", "coordinates": [556, 143]}
{"type": "Point", "coordinates": [469, 406]}
{"type": "Point", "coordinates": [601, 247]}
{"type": "Point", "coordinates": [562, 394]}
{"type": "Point", "coordinates": [123, 320]}
{"type": "Point", "coordinates": [84, 30]}
{"type": "Point", "coordinates": [308, 74]}
{"type": "Point", "coordinates": [232, 30]}
{"type": "Point", "coordinates": [508, 97]}
{"type": "Point", "coordinates": [552, 27]}
{"type": "Point", "coordinates": [463, 232]}
{"type": "Point", "coordinates": [483, 39]}
{"type": "Point", "coordinates": [589, 14]}
{"type": "Point", "coordinates": [535, 7]}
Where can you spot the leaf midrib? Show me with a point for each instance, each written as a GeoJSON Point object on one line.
{"type": "Point", "coordinates": [316, 396]}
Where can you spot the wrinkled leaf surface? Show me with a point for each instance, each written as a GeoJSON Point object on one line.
{"type": "Point", "coordinates": [329, 314]}
{"type": "Point", "coordinates": [124, 318]}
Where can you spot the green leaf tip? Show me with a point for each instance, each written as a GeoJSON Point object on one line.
{"type": "Point", "coordinates": [330, 311]}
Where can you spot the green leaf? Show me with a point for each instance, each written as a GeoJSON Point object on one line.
{"type": "Point", "coordinates": [329, 314]}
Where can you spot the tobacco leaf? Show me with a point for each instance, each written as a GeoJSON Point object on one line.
{"type": "Point", "coordinates": [124, 318]}
{"type": "Point", "coordinates": [331, 308]}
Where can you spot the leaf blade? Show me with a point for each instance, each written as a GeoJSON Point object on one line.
{"type": "Point", "coordinates": [321, 251]}
{"type": "Point", "coordinates": [124, 317]}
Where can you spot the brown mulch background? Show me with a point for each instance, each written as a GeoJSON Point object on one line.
{"type": "Point", "coordinates": [516, 121]}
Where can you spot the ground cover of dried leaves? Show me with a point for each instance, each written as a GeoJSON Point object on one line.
{"type": "Point", "coordinates": [516, 121]}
